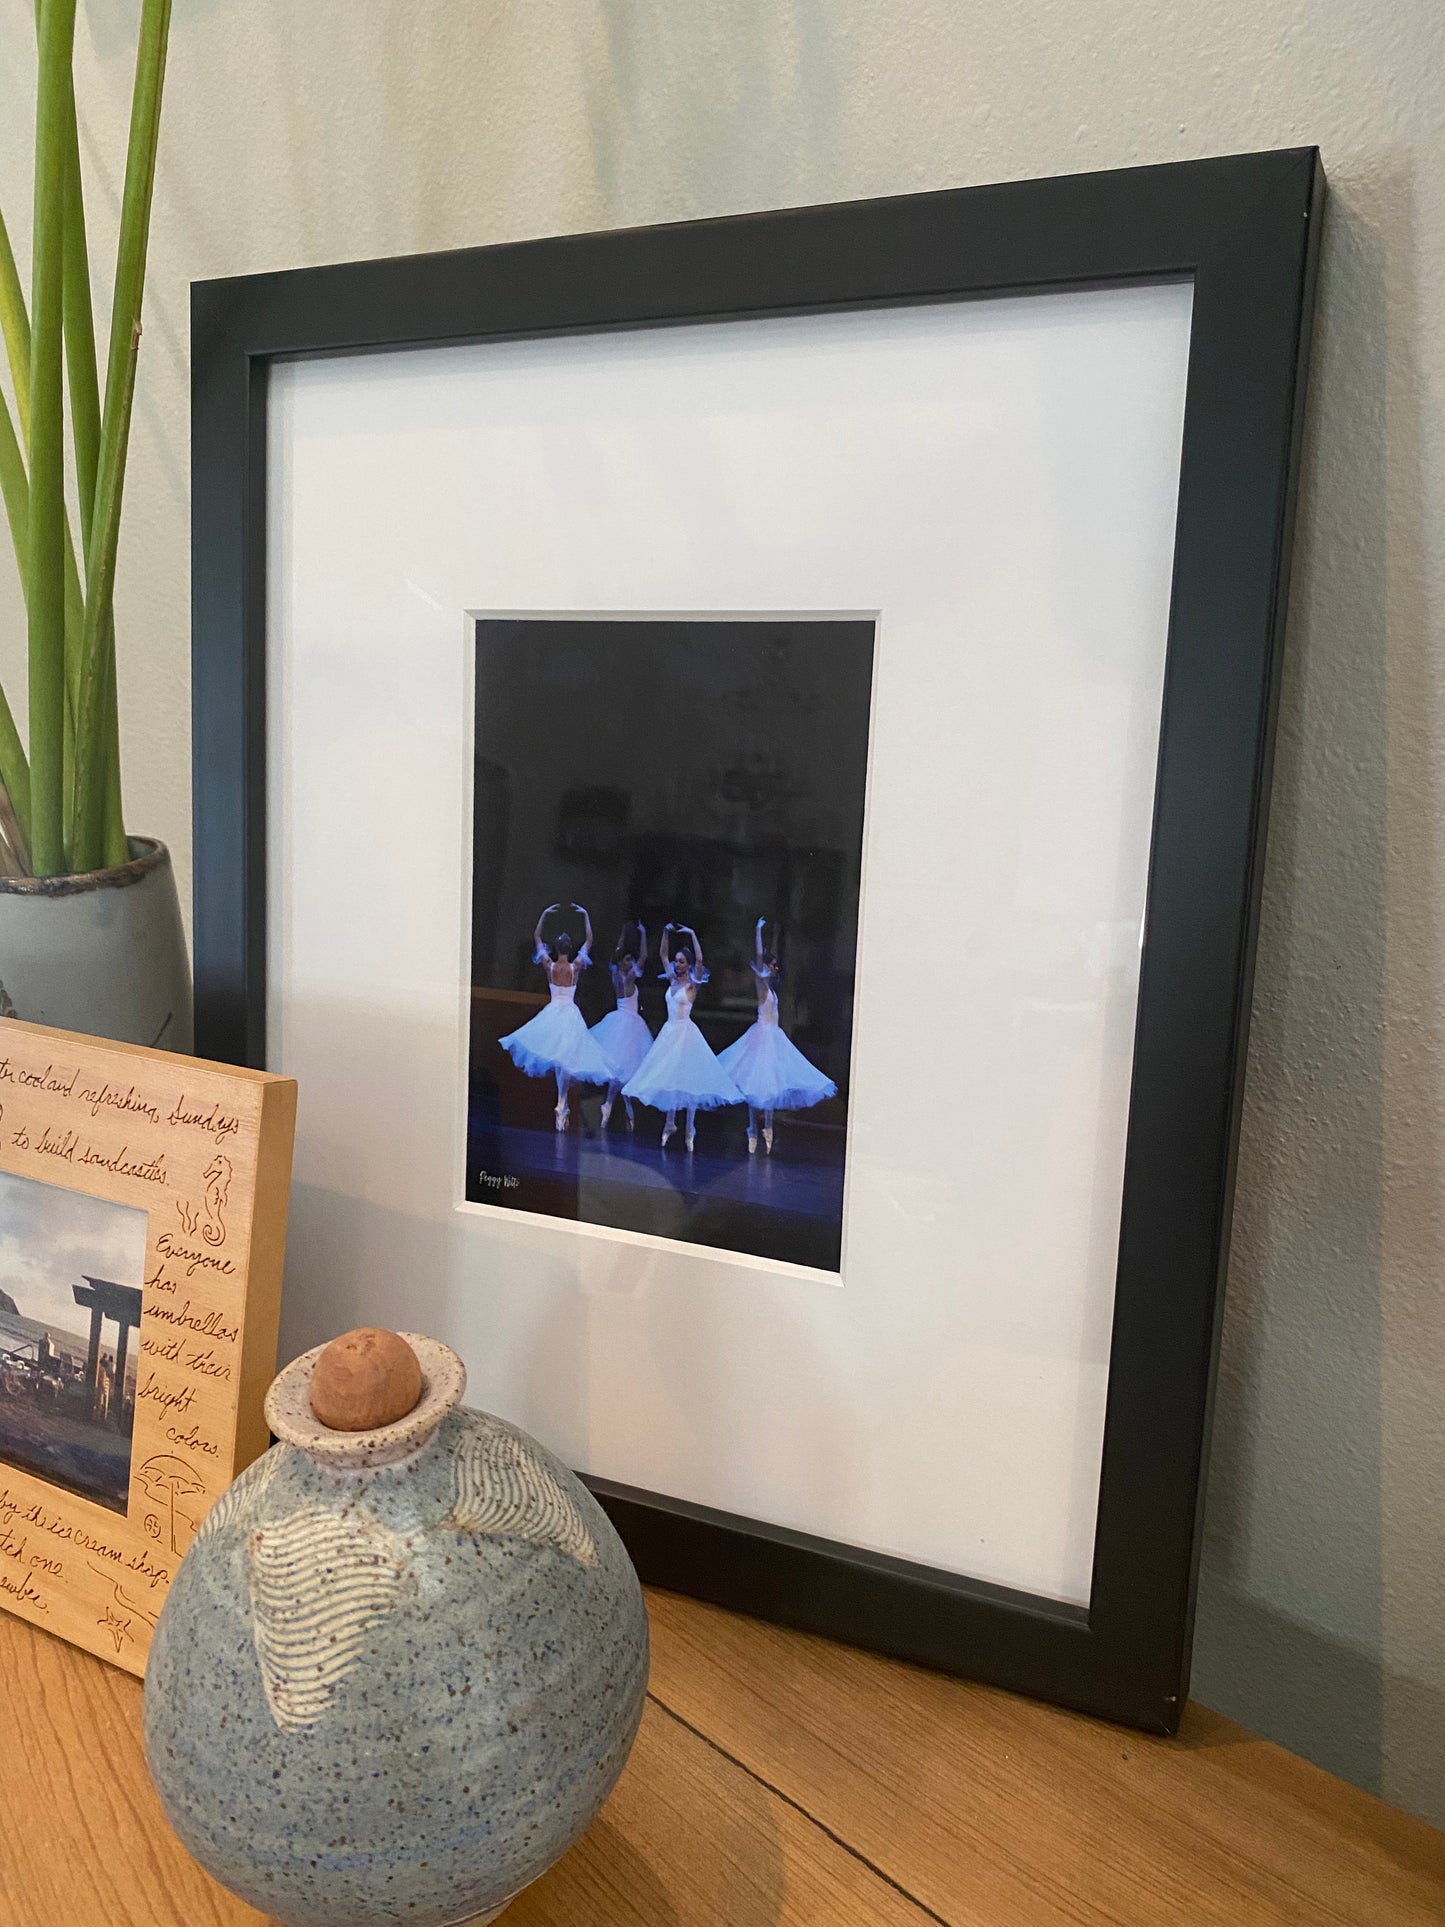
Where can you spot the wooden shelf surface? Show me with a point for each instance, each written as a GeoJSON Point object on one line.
{"type": "Point", "coordinates": [782, 1781]}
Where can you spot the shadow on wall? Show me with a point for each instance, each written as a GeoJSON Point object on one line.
{"type": "Point", "coordinates": [1328, 1701]}
{"type": "Point", "coordinates": [1318, 1621]}
{"type": "Point", "coordinates": [759, 123]}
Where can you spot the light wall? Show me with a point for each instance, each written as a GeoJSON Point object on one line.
{"type": "Point", "coordinates": [301, 131]}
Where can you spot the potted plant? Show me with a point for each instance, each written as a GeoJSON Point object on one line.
{"type": "Point", "coordinates": [90, 927]}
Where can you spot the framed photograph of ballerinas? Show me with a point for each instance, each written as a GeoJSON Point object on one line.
{"type": "Point", "coordinates": [732, 768]}
{"type": "Point", "coordinates": [665, 809]}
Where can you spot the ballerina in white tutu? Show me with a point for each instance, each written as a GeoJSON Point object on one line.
{"type": "Point", "coordinates": [765, 1063]}
{"type": "Point", "coordinates": [557, 1040]}
{"type": "Point", "coordinates": [622, 1035]}
{"type": "Point", "coordinates": [680, 1072]}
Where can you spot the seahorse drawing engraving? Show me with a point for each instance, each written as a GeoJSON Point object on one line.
{"type": "Point", "coordinates": [217, 1180]}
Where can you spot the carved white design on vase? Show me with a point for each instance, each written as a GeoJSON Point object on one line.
{"type": "Point", "coordinates": [245, 1492]}
{"type": "Point", "coordinates": [319, 1584]}
{"type": "Point", "coordinates": [500, 1490]}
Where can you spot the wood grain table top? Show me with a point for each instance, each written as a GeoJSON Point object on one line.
{"type": "Point", "coordinates": [782, 1781]}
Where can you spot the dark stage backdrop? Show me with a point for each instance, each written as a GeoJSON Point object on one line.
{"type": "Point", "coordinates": [700, 771]}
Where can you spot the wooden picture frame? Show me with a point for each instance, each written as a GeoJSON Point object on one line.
{"type": "Point", "coordinates": [117, 1435]}
{"type": "Point", "coordinates": [1243, 231]}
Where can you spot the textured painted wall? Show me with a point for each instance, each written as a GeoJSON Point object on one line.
{"type": "Point", "coordinates": [312, 130]}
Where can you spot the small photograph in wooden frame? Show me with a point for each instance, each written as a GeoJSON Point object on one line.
{"type": "Point", "coordinates": [142, 1231]}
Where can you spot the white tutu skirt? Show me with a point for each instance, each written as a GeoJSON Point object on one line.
{"type": "Point", "coordinates": [680, 1073]}
{"type": "Point", "coordinates": [772, 1073]}
{"type": "Point", "coordinates": [557, 1039]}
{"type": "Point", "coordinates": [624, 1040]}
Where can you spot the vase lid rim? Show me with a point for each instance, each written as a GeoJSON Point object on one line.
{"type": "Point", "coordinates": [289, 1413]}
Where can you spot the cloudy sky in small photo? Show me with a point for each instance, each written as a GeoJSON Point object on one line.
{"type": "Point", "coordinates": [52, 1240]}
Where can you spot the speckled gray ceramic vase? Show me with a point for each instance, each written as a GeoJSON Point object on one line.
{"type": "Point", "coordinates": [103, 953]}
{"type": "Point", "coordinates": [398, 1671]}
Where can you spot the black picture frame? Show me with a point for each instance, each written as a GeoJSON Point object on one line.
{"type": "Point", "coordinates": [1245, 230]}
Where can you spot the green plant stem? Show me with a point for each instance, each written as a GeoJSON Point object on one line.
{"type": "Point", "coordinates": [46, 605]}
{"type": "Point", "coordinates": [79, 329]}
{"type": "Point", "coordinates": [85, 435]}
{"type": "Point", "coordinates": [15, 489]}
{"type": "Point", "coordinates": [15, 326]}
{"type": "Point", "coordinates": [74, 597]}
{"type": "Point", "coordinates": [93, 748]}
{"type": "Point", "coordinates": [74, 628]}
{"type": "Point", "coordinates": [115, 845]}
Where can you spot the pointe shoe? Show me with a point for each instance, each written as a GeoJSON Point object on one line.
{"type": "Point", "coordinates": [691, 1139]}
{"type": "Point", "coordinates": [668, 1130]}
{"type": "Point", "coordinates": [561, 1116]}
{"type": "Point", "coordinates": [631, 1122]}
{"type": "Point", "coordinates": [768, 1142]}
{"type": "Point", "coordinates": [752, 1143]}
{"type": "Point", "coordinates": [606, 1113]}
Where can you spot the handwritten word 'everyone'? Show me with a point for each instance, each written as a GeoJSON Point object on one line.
{"type": "Point", "coordinates": [191, 1258]}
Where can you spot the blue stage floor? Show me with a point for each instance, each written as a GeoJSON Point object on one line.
{"type": "Point", "coordinates": [788, 1206]}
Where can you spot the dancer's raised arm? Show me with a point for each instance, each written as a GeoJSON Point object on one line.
{"type": "Point", "coordinates": [667, 930]}
{"type": "Point", "coordinates": [761, 964]}
{"type": "Point", "coordinates": [758, 967]}
{"type": "Point", "coordinates": [584, 955]}
{"type": "Point", "coordinates": [540, 952]}
{"type": "Point", "coordinates": [699, 968]}
{"type": "Point", "coordinates": [641, 946]}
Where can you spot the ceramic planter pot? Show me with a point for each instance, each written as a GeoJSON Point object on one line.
{"type": "Point", "coordinates": [103, 953]}
{"type": "Point", "coordinates": [398, 1671]}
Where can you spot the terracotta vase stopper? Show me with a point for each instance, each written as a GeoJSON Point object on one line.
{"type": "Point", "coordinates": [364, 1379]}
